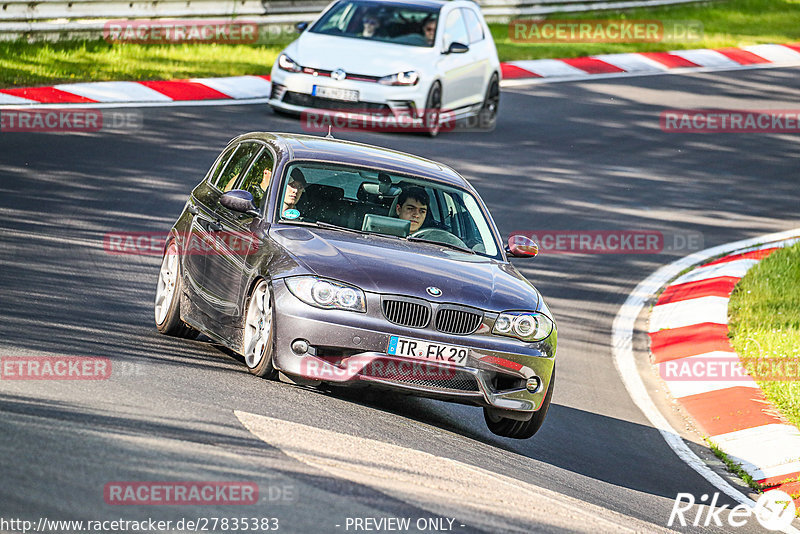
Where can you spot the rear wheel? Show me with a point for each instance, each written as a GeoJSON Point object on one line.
{"type": "Point", "coordinates": [513, 428]}
{"type": "Point", "coordinates": [258, 338]}
{"type": "Point", "coordinates": [168, 297]}
{"type": "Point", "coordinates": [433, 110]}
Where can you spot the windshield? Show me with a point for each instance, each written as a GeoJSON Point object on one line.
{"type": "Point", "coordinates": [377, 202]}
{"type": "Point", "coordinates": [400, 24]}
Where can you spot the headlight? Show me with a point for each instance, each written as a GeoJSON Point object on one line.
{"type": "Point", "coordinates": [287, 63]}
{"type": "Point", "coordinates": [410, 77]}
{"type": "Point", "coordinates": [327, 294]}
{"type": "Point", "coordinates": [527, 326]}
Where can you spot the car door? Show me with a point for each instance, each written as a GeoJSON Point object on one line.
{"type": "Point", "coordinates": [477, 79]}
{"type": "Point", "coordinates": [456, 69]}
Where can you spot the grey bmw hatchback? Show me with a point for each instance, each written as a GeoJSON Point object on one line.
{"type": "Point", "coordinates": [323, 261]}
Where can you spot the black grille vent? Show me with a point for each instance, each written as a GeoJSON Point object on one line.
{"type": "Point", "coordinates": [458, 321]}
{"type": "Point", "coordinates": [422, 375]}
{"type": "Point", "coordinates": [407, 312]}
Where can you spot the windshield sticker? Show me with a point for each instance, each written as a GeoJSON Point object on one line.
{"type": "Point", "coordinates": [291, 214]}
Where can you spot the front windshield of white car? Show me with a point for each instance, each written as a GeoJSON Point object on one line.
{"type": "Point", "coordinates": [370, 201]}
{"type": "Point", "coordinates": [400, 24]}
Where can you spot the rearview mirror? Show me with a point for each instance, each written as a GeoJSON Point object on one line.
{"type": "Point", "coordinates": [240, 201]}
{"type": "Point", "coordinates": [521, 246]}
{"type": "Point", "coordinates": [301, 27]}
{"type": "Point", "coordinates": [457, 48]}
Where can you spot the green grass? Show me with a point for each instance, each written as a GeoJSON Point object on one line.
{"type": "Point", "coordinates": [735, 468]}
{"type": "Point", "coordinates": [764, 323]}
{"type": "Point", "coordinates": [725, 22]}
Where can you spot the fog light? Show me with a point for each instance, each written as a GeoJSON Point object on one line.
{"type": "Point", "coordinates": [300, 346]}
{"type": "Point", "coordinates": [533, 384]}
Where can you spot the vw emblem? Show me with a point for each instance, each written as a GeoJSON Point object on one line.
{"type": "Point", "coordinates": [338, 75]}
{"type": "Point", "coordinates": [434, 291]}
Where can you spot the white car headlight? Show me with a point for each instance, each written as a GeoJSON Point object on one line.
{"type": "Point", "coordinates": [327, 294]}
{"type": "Point", "coordinates": [527, 326]}
{"type": "Point", "coordinates": [410, 77]}
{"type": "Point", "coordinates": [287, 63]}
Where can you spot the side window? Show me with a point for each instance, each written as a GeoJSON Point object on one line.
{"type": "Point", "coordinates": [454, 29]}
{"type": "Point", "coordinates": [213, 174]}
{"type": "Point", "coordinates": [237, 164]}
{"type": "Point", "coordinates": [474, 26]}
{"type": "Point", "coordinates": [258, 177]}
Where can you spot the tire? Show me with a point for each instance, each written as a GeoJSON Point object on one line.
{"type": "Point", "coordinates": [487, 116]}
{"type": "Point", "coordinates": [433, 109]}
{"type": "Point", "coordinates": [512, 428]}
{"type": "Point", "coordinates": [258, 339]}
{"type": "Point", "coordinates": [167, 306]}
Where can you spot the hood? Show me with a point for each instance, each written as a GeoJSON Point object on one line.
{"type": "Point", "coordinates": [356, 56]}
{"type": "Point", "coordinates": [395, 266]}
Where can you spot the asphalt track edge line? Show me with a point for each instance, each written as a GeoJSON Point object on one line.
{"type": "Point", "coordinates": [622, 346]}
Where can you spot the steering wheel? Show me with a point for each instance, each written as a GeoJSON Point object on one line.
{"type": "Point", "coordinates": [437, 234]}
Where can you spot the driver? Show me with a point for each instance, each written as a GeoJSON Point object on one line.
{"type": "Point", "coordinates": [412, 205]}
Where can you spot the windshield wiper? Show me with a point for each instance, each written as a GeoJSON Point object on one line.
{"type": "Point", "coordinates": [449, 245]}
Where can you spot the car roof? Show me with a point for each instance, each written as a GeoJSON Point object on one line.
{"type": "Point", "coordinates": [421, 3]}
{"type": "Point", "coordinates": [312, 147]}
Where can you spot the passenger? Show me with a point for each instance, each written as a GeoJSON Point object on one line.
{"type": "Point", "coordinates": [412, 205]}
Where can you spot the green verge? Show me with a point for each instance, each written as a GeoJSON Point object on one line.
{"type": "Point", "coordinates": [764, 323]}
{"type": "Point", "coordinates": [725, 23]}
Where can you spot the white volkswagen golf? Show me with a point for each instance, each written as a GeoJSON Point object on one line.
{"type": "Point", "coordinates": [415, 58]}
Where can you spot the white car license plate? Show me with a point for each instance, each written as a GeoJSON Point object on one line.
{"type": "Point", "coordinates": [335, 93]}
{"type": "Point", "coordinates": [425, 350]}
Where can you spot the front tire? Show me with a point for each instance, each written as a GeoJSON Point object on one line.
{"type": "Point", "coordinates": [433, 110]}
{"type": "Point", "coordinates": [513, 428]}
{"type": "Point", "coordinates": [258, 339]}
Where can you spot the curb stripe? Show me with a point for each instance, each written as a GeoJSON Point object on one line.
{"type": "Point", "coordinates": [776, 480]}
{"type": "Point", "coordinates": [689, 312]}
{"type": "Point", "coordinates": [513, 72]}
{"type": "Point", "coordinates": [185, 90]}
{"type": "Point", "coordinates": [711, 287]}
{"type": "Point", "coordinates": [752, 255]}
{"type": "Point", "coordinates": [731, 409]}
{"type": "Point", "coordinates": [742, 57]}
{"type": "Point", "coordinates": [114, 92]}
{"type": "Point", "coordinates": [592, 65]}
{"type": "Point", "coordinates": [47, 94]}
{"type": "Point", "coordinates": [689, 341]}
{"type": "Point", "coordinates": [705, 57]}
{"type": "Point", "coordinates": [737, 268]}
{"type": "Point", "coordinates": [671, 61]}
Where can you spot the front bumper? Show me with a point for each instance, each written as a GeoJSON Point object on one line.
{"type": "Point", "coordinates": [292, 92]}
{"type": "Point", "coordinates": [350, 348]}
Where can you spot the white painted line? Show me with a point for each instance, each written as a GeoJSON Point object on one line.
{"type": "Point", "coordinates": [633, 62]}
{"type": "Point", "coordinates": [735, 268]}
{"type": "Point", "coordinates": [549, 67]}
{"type": "Point", "coordinates": [764, 451]}
{"type": "Point", "coordinates": [238, 86]}
{"type": "Point", "coordinates": [11, 99]}
{"type": "Point", "coordinates": [777, 54]}
{"type": "Point", "coordinates": [114, 92]}
{"type": "Point", "coordinates": [622, 346]}
{"type": "Point", "coordinates": [689, 312]}
{"type": "Point", "coordinates": [706, 58]}
{"type": "Point", "coordinates": [438, 484]}
{"type": "Point", "coordinates": [709, 362]}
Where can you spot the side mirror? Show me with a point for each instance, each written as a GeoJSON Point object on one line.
{"type": "Point", "coordinates": [457, 48]}
{"type": "Point", "coordinates": [240, 201]}
{"type": "Point", "coordinates": [301, 27]}
{"type": "Point", "coordinates": [521, 246]}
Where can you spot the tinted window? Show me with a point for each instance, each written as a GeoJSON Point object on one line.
{"type": "Point", "coordinates": [259, 176]}
{"type": "Point", "coordinates": [474, 27]}
{"type": "Point", "coordinates": [219, 165]}
{"type": "Point", "coordinates": [454, 30]}
{"type": "Point", "coordinates": [237, 165]}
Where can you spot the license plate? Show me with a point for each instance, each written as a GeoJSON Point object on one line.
{"type": "Point", "coordinates": [425, 350]}
{"type": "Point", "coordinates": [335, 93]}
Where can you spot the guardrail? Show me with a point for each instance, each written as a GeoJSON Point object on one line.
{"type": "Point", "coordinates": [86, 18]}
